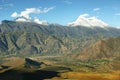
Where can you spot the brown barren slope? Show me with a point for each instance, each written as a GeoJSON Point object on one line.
{"type": "Point", "coordinates": [103, 49]}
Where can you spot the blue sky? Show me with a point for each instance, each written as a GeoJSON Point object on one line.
{"type": "Point", "coordinates": [62, 11]}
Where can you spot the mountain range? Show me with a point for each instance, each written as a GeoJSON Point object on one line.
{"type": "Point", "coordinates": [19, 37]}
{"type": "Point", "coordinates": [85, 49]}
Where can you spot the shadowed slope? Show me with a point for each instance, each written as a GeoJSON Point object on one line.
{"type": "Point", "coordinates": [18, 75]}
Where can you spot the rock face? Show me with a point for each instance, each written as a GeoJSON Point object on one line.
{"type": "Point", "coordinates": [30, 43]}
{"type": "Point", "coordinates": [32, 64]}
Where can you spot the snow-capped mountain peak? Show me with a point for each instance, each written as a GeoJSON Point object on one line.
{"type": "Point", "coordinates": [22, 19]}
{"type": "Point", "coordinates": [85, 20]}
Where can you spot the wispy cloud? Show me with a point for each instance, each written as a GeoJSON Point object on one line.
{"type": "Point", "coordinates": [4, 6]}
{"type": "Point", "coordinates": [4, 1]}
{"type": "Point", "coordinates": [96, 9]}
{"type": "Point", "coordinates": [10, 5]}
{"type": "Point", "coordinates": [67, 1]}
{"type": "Point", "coordinates": [117, 14]}
{"type": "Point", "coordinates": [29, 11]}
{"type": "Point", "coordinates": [84, 15]}
{"type": "Point", "coordinates": [1, 8]}
{"type": "Point", "coordinates": [26, 14]}
{"type": "Point", "coordinates": [45, 10]}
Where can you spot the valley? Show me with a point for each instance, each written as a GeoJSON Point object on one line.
{"type": "Point", "coordinates": [30, 51]}
{"type": "Point", "coordinates": [57, 68]}
{"type": "Point", "coordinates": [59, 39]}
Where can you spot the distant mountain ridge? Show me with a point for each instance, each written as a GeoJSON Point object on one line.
{"type": "Point", "coordinates": [55, 29]}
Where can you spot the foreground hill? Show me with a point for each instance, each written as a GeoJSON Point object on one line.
{"type": "Point", "coordinates": [103, 49]}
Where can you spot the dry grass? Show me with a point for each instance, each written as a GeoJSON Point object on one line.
{"type": "Point", "coordinates": [12, 62]}
{"type": "Point", "coordinates": [88, 76]}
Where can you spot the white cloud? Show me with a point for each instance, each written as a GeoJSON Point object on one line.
{"type": "Point", "coordinates": [117, 14]}
{"type": "Point", "coordinates": [14, 14]}
{"type": "Point", "coordinates": [29, 11]}
{"type": "Point", "coordinates": [26, 13]}
{"type": "Point", "coordinates": [84, 15]}
{"type": "Point", "coordinates": [67, 1]}
{"type": "Point", "coordinates": [96, 9]}
{"type": "Point", "coordinates": [24, 16]}
{"type": "Point", "coordinates": [45, 10]}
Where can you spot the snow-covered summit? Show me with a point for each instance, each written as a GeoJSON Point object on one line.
{"type": "Point", "coordinates": [36, 20]}
{"type": "Point", "coordinates": [22, 19]}
{"type": "Point", "coordinates": [85, 20]}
